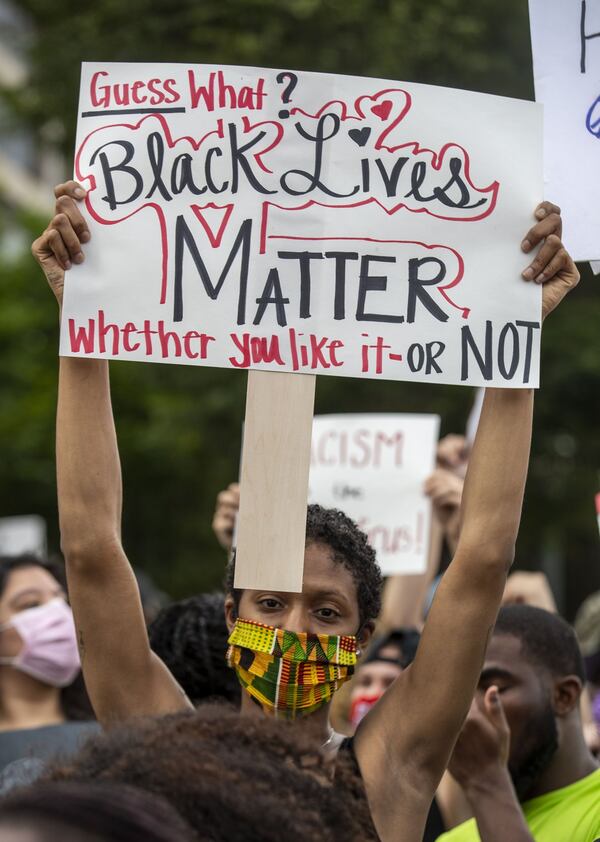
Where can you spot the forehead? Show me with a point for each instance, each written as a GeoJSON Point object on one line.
{"type": "Point", "coordinates": [390, 650]}
{"type": "Point", "coordinates": [322, 573]}
{"type": "Point", "coordinates": [29, 578]}
{"type": "Point", "coordinates": [378, 670]}
{"type": "Point", "coordinates": [505, 652]}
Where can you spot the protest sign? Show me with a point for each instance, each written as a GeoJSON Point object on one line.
{"type": "Point", "coordinates": [565, 40]}
{"type": "Point", "coordinates": [373, 468]}
{"type": "Point", "coordinates": [23, 534]}
{"type": "Point", "coordinates": [303, 222]}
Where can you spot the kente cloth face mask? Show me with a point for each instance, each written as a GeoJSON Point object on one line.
{"type": "Point", "coordinates": [289, 674]}
{"type": "Point", "coordinates": [49, 651]}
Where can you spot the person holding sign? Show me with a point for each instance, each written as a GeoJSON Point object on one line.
{"type": "Point", "coordinates": [403, 745]}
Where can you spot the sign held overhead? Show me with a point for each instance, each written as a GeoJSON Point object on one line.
{"type": "Point", "coordinates": [303, 222]}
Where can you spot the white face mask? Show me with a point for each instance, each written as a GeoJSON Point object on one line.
{"type": "Point", "coordinates": [49, 652]}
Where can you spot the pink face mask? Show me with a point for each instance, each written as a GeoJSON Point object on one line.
{"type": "Point", "coordinates": [49, 652]}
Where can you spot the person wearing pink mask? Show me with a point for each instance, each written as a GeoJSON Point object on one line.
{"type": "Point", "coordinates": [41, 692]}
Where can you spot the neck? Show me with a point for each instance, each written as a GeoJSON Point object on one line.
{"type": "Point", "coordinates": [319, 719]}
{"type": "Point", "coordinates": [571, 762]}
{"type": "Point", "coordinates": [26, 702]}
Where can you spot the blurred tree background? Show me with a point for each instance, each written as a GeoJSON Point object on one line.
{"type": "Point", "coordinates": [179, 428]}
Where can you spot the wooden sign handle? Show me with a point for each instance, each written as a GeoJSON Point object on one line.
{"type": "Point", "coordinates": [271, 527]}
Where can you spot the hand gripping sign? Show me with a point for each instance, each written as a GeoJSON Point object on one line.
{"type": "Point", "coordinates": [302, 223]}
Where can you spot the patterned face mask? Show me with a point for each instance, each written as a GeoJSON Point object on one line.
{"type": "Point", "coordinates": [289, 674]}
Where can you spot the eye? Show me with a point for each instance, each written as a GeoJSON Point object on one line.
{"type": "Point", "coordinates": [270, 603]}
{"type": "Point", "coordinates": [30, 603]}
{"type": "Point", "coordinates": [327, 613]}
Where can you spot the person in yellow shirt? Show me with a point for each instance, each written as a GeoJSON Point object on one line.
{"type": "Point", "coordinates": [523, 740]}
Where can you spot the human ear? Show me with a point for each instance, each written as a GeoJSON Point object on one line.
{"type": "Point", "coordinates": [230, 612]}
{"type": "Point", "coordinates": [567, 692]}
{"type": "Point", "coordinates": [364, 635]}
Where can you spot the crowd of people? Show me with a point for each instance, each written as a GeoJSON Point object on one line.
{"type": "Point", "coordinates": [453, 705]}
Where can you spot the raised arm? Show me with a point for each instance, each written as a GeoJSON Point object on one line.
{"type": "Point", "coordinates": [122, 675]}
{"type": "Point", "coordinates": [404, 744]}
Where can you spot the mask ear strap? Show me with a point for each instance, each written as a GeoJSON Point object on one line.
{"type": "Point", "coordinates": [357, 636]}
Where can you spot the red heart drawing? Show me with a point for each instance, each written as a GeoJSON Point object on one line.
{"type": "Point", "coordinates": [383, 109]}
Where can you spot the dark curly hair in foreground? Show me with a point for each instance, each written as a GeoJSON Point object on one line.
{"type": "Point", "coordinates": [78, 812]}
{"type": "Point", "coordinates": [232, 776]}
{"type": "Point", "coordinates": [190, 637]}
{"type": "Point", "coordinates": [349, 546]}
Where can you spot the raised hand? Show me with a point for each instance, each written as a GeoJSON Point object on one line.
{"type": "Point", "coordinates": [484, 742]}
{"type": "Point", "coordinates": [223, 524]}
{"type": "Point", "coordinates": [528, 588]}
{"type": "Point", "coordinates": [553, 266]}
{"type": "Point", "coordinates": [61, 243]}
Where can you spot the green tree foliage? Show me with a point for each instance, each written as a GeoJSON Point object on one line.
{"type": "Point", "coordinates": [179, 428]}
{"type": "Point", "coordinates": [479, 46]}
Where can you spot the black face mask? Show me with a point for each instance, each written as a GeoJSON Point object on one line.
{"type": "Point", "coordinates": [536, 754]}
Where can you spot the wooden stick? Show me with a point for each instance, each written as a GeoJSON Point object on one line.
{"type": "Point", "coordinates": [271, 528]}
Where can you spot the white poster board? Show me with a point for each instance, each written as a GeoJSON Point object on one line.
{"type": "Point", "coordinates": [23, 534]}
{"type": "Point", "coordinates": [566, 64]}
{"type": "Point", "coordinates": [373, 467]}
{"type": "Point", "coordinates": [305, 222]}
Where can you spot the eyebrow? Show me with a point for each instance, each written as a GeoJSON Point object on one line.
{"type": "Point", "coordinates": [321, 590]}
{"type": "Point", "coordinates": [32, 592]}
{"type": "Point", "coordinates": [495, 672]}
{"type": "Point", "coordinates": [328, 594]}
{"type": "Point", "coordinates": [314, 594]}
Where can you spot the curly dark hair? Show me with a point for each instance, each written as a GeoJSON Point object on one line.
{"type": "Point", "coordinates": [74, 698]}
{"type": "Point", "coordinates": [76, 812]}
{"type": "Point", "coordinates": [349, 546]}
{"type": "Point", "coordinates": [232, 776]}
{"type": "Point", "coordinates": [190, 637]}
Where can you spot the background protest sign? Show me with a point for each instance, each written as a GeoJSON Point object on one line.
{"type": "Point", "coordinates": [373, 468]}
{"type": "Point", "coordinates": [565, 40]}
{"type": "Point", "coordinates": [23, 534]}
{"type": "Point", "coordinates": [305, 222]}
